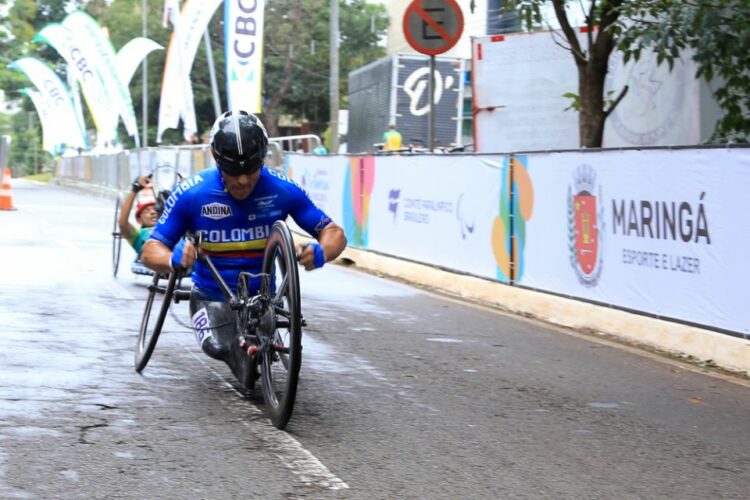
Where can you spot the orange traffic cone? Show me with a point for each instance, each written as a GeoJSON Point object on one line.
{"type": "Point", "coordinates": [6, 192]}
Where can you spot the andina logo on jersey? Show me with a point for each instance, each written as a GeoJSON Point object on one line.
{"type": "Point", "coordinates": [585, 226]}
{"type": "Point", "coordinates": [216, 211]}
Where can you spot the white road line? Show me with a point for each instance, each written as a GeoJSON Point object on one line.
{"type": "Point", "coordinates": [288, 450]}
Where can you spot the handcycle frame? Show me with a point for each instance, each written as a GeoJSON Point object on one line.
{"type": "Point", "coordinates": [261, 321]}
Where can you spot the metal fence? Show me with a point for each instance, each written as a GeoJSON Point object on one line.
{"type": "Point", "coordinates": [117, 170]}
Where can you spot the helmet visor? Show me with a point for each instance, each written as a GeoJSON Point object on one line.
{"type": "Point", "coordinates": [237, 170]}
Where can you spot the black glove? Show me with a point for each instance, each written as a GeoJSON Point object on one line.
{"type": "Point", "coordinates": [136, 186]}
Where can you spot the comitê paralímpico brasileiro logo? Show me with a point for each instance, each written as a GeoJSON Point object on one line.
{"type": "Point", "coordinates": [585, 226]}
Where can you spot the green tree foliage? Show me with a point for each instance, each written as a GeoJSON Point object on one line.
{"type": "Point", "coordinates": [296, 57]}
{"type": "Point", "coordinates": [27, 155]}
{"type": "Point", "coordinates": [25, 18]}
{"type": "Point", "coordinates": [717, 34]}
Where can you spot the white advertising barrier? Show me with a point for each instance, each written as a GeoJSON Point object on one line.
{"type": "Point", "coordinates": [438, 210]}
{"type": "Point", "coordinates": [165, 157]}
{"type": "Point", "coordinates": [659, 231]}
{"type": "Point", "coordinates": [136, 160]}
{"type": "Point", "coordinates": [243, 49]}
{"type": "Point", "coordinates": [324, 179]}
{"type": "Point", "coordinates": [184, 162]}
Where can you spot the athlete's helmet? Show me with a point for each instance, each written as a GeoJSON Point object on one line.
{"type": "Point", "coordinates": [145, 199]}
{"type": "Point", "coordinates": [239, 142]}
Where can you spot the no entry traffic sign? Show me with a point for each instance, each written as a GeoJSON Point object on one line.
{"type": "Point", "coordinates": [433, 26]}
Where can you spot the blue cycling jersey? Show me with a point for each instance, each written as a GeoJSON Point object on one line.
{"type": "Point", "coordinates": [234, 232]}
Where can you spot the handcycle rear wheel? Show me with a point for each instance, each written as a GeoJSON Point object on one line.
{"type": "Point", "coordinates": [154, 314]}
{"type": "Point", "coordinates": [116, 237]}
{"type": "Point", "coordinates": [281, 361]}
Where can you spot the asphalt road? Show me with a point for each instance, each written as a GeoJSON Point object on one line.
{"type": "Point", "coordinates": [403, 394]}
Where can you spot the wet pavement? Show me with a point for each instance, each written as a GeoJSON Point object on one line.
{"type": "Point", "coordinates": [402, 395]}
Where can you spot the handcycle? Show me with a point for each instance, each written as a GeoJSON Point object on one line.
{"type": "Point", "coordinates": [269, 323]}
{"type": "Point", "coordinates": [162, 180]}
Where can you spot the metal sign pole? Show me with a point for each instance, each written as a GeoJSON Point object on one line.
{"type": "Point", "coordinates": [431, 129]}
{"type": "Point", "coordinates": [432, 27]}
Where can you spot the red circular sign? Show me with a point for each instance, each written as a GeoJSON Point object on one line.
{"type": "Point", "coordinates": [433, 26]}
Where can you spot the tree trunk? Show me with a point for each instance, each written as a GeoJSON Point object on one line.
{"type": "Point", "coordinates": [592, 114]}
{"type": "Point", "coordinates": [272, 111]}
{"type": "Point", "coordinates": [270, 120]}
{"type": "Point", "coordinates": [592, 61]}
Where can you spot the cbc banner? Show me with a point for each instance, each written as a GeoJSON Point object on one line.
{"type": "Point", "coordinates": [657, 231]}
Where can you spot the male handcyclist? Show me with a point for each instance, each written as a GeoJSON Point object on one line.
{"type": "Point", "coordinates": [145, 214]}
{"type": "Point", "coordinates": [232, 208]}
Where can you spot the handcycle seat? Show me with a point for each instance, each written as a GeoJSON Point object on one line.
{"type": "Point", "coordinates": [139, 268]}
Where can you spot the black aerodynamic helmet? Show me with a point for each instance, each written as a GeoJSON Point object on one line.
{"type": "Point", "coordinates": [239, 142]}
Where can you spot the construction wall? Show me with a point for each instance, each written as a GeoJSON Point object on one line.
{"type": "Point", "coordinates": [519, 81]}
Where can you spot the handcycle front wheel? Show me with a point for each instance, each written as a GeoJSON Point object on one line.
{"type": "Point", "coordinates": [116, 237]}
{"type": "Point", "coordinates": [154, 314]}
{"type": "Point", "coordinates": [282, 357]}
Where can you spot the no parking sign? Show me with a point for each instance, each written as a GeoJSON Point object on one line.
{"type": "Point", "coordinates": [433, 26]}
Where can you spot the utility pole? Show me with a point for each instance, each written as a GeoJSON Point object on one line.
{"type": "Point", "coordinates": [144, 109]}
{"type": "Point", "coordinates": [334, 83]}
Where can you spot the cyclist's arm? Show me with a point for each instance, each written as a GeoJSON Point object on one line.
{"type": "Point", "coordinates": [126, 229]}
{"type": "Point", "coordinates": [331, 239]}
{"type": "Point", "coordinates": [158, 256]}
{"type": "Point", "coordinates": [157, 253]}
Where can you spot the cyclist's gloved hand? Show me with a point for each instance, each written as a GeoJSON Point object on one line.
{"type": "Point", "coordinates": [312, 256]}
{"type": "Point", "coordinates": [183, 256]}
{"type": "Point", "coordinates": [139, 183]}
